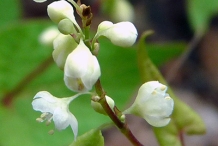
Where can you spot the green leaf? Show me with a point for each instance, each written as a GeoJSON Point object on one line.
{"type": "Point", "coordinates": [90, 138]}
{"type": "Point", "coordinates": [200, 13]}
{"type": "Point", "coordinates": [166, 135]}
{"type": "Point", "coordinates": [184, 119]}
{"type": "Point", "coordinates": [160, 54]}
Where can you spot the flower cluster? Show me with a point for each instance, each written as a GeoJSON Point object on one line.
{"type": "Point", "coordinates": [75, 53]}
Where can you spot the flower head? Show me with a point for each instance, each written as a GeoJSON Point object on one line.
{"type": "Point", "coordinates": [122, 34]}
{"type": "Point", "coordinates": [56, 109]}
{"type": "Point", "coordinates": [153, 104]}
{"type": "Point", "coordinates": [81, 69]}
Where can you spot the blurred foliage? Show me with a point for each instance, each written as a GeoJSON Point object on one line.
{"type": "Point", "coordinates": [200, 13]}
{"type": "Point", "coordinates": [10, 11]}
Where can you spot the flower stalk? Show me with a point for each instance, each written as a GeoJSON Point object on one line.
{"type": "Point", "coordinates": [123, 127]}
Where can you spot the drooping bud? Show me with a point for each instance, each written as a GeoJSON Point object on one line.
{"type": "Point", "coordinates": [153, 104]}
{"type": "Point", "coordinates": [81, 69]}
{"type": "Point", "coordinates": [59, 10]}
{"type": "Point", "coordinates": [97, 106]}
{"type": "Point", "coordinates": [122, 34]}
{"type": "Point", "coordinates": [63, 45]}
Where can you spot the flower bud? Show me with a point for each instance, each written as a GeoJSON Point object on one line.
{"type": "Point", "coordinates": [97, 106]}
{"type": "Point", "coordinates": [96, 49]}
{"type": "Point", "coordinates": [153, 104]}
{"type": "Point", "coordinates": [122, 34]}
{"type": "Point", "coordinates": [122, 10]}
{"type": "Point", "coordinates": [59, 10]}
{"type": "Point", "coordinates": [39, 1]}
{"type": "Point", "coordinates": [48, 35]}
{"type": "Point", "coordinates": [63, 46]}
{"type": "Point", "coordinates": [66, 26]}
{"type": "Point", "coordinates": [81, 69]}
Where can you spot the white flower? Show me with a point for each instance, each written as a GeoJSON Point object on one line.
{"type": "Point", "coordinates": [60, 10]}
{"type": "Point", "coordinates": [81, 69]}
{"type": "Point", "coordinates": [122, 34]}
{"type": "Point", "coordinates": [39, 1]}
{"type": "Point", "coordinates": [63, 45]}
{"type": "Point", "coordinates": [56, 109]}
{"type": "Point", "coordinates": [153, 104]}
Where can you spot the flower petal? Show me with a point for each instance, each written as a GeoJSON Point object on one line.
{"type": "Point", "coordinates": [157, 121]}
{"type": "Point", "coordinates": [63, 46]}
{"type": "Point", "coordinates": [158, 106]}
{"type": "Point", "coordinates": [75, 84]}
{"type": "Point", "coordinates": [45, 102]}
{"type": "Point", "coordinates": [146, 89]}
{"type": "Point", "coordinates": [63, 118]}
{"type": "Point", "coordinates": [94, 73]}
{"type": "Point", "coordinates": [77, 62]}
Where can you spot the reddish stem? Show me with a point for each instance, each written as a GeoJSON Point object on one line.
{"type": "Point", "coordinates": [122, 126]}
{"type": "Point", "coordinates": [8, 97]}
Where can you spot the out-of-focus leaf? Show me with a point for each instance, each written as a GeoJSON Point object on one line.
{"type": "Point", "coordinates": [10, 11]}
{"type": "Point", "coordinates": [162, 53]}
{"type": "Point", "coordinates": [200, 13]}
{"type": "Point", "coordinates": [90, 138]}
{"type": "Point", "coordinates": [184, 119]}
{"type": "Point", "coordinates": [20, 52]}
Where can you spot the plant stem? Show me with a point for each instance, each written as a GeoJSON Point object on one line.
{"type": "Point", "coordinates": [123, 127]}
{"type": "Point", "coordinates": [181, 137]}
